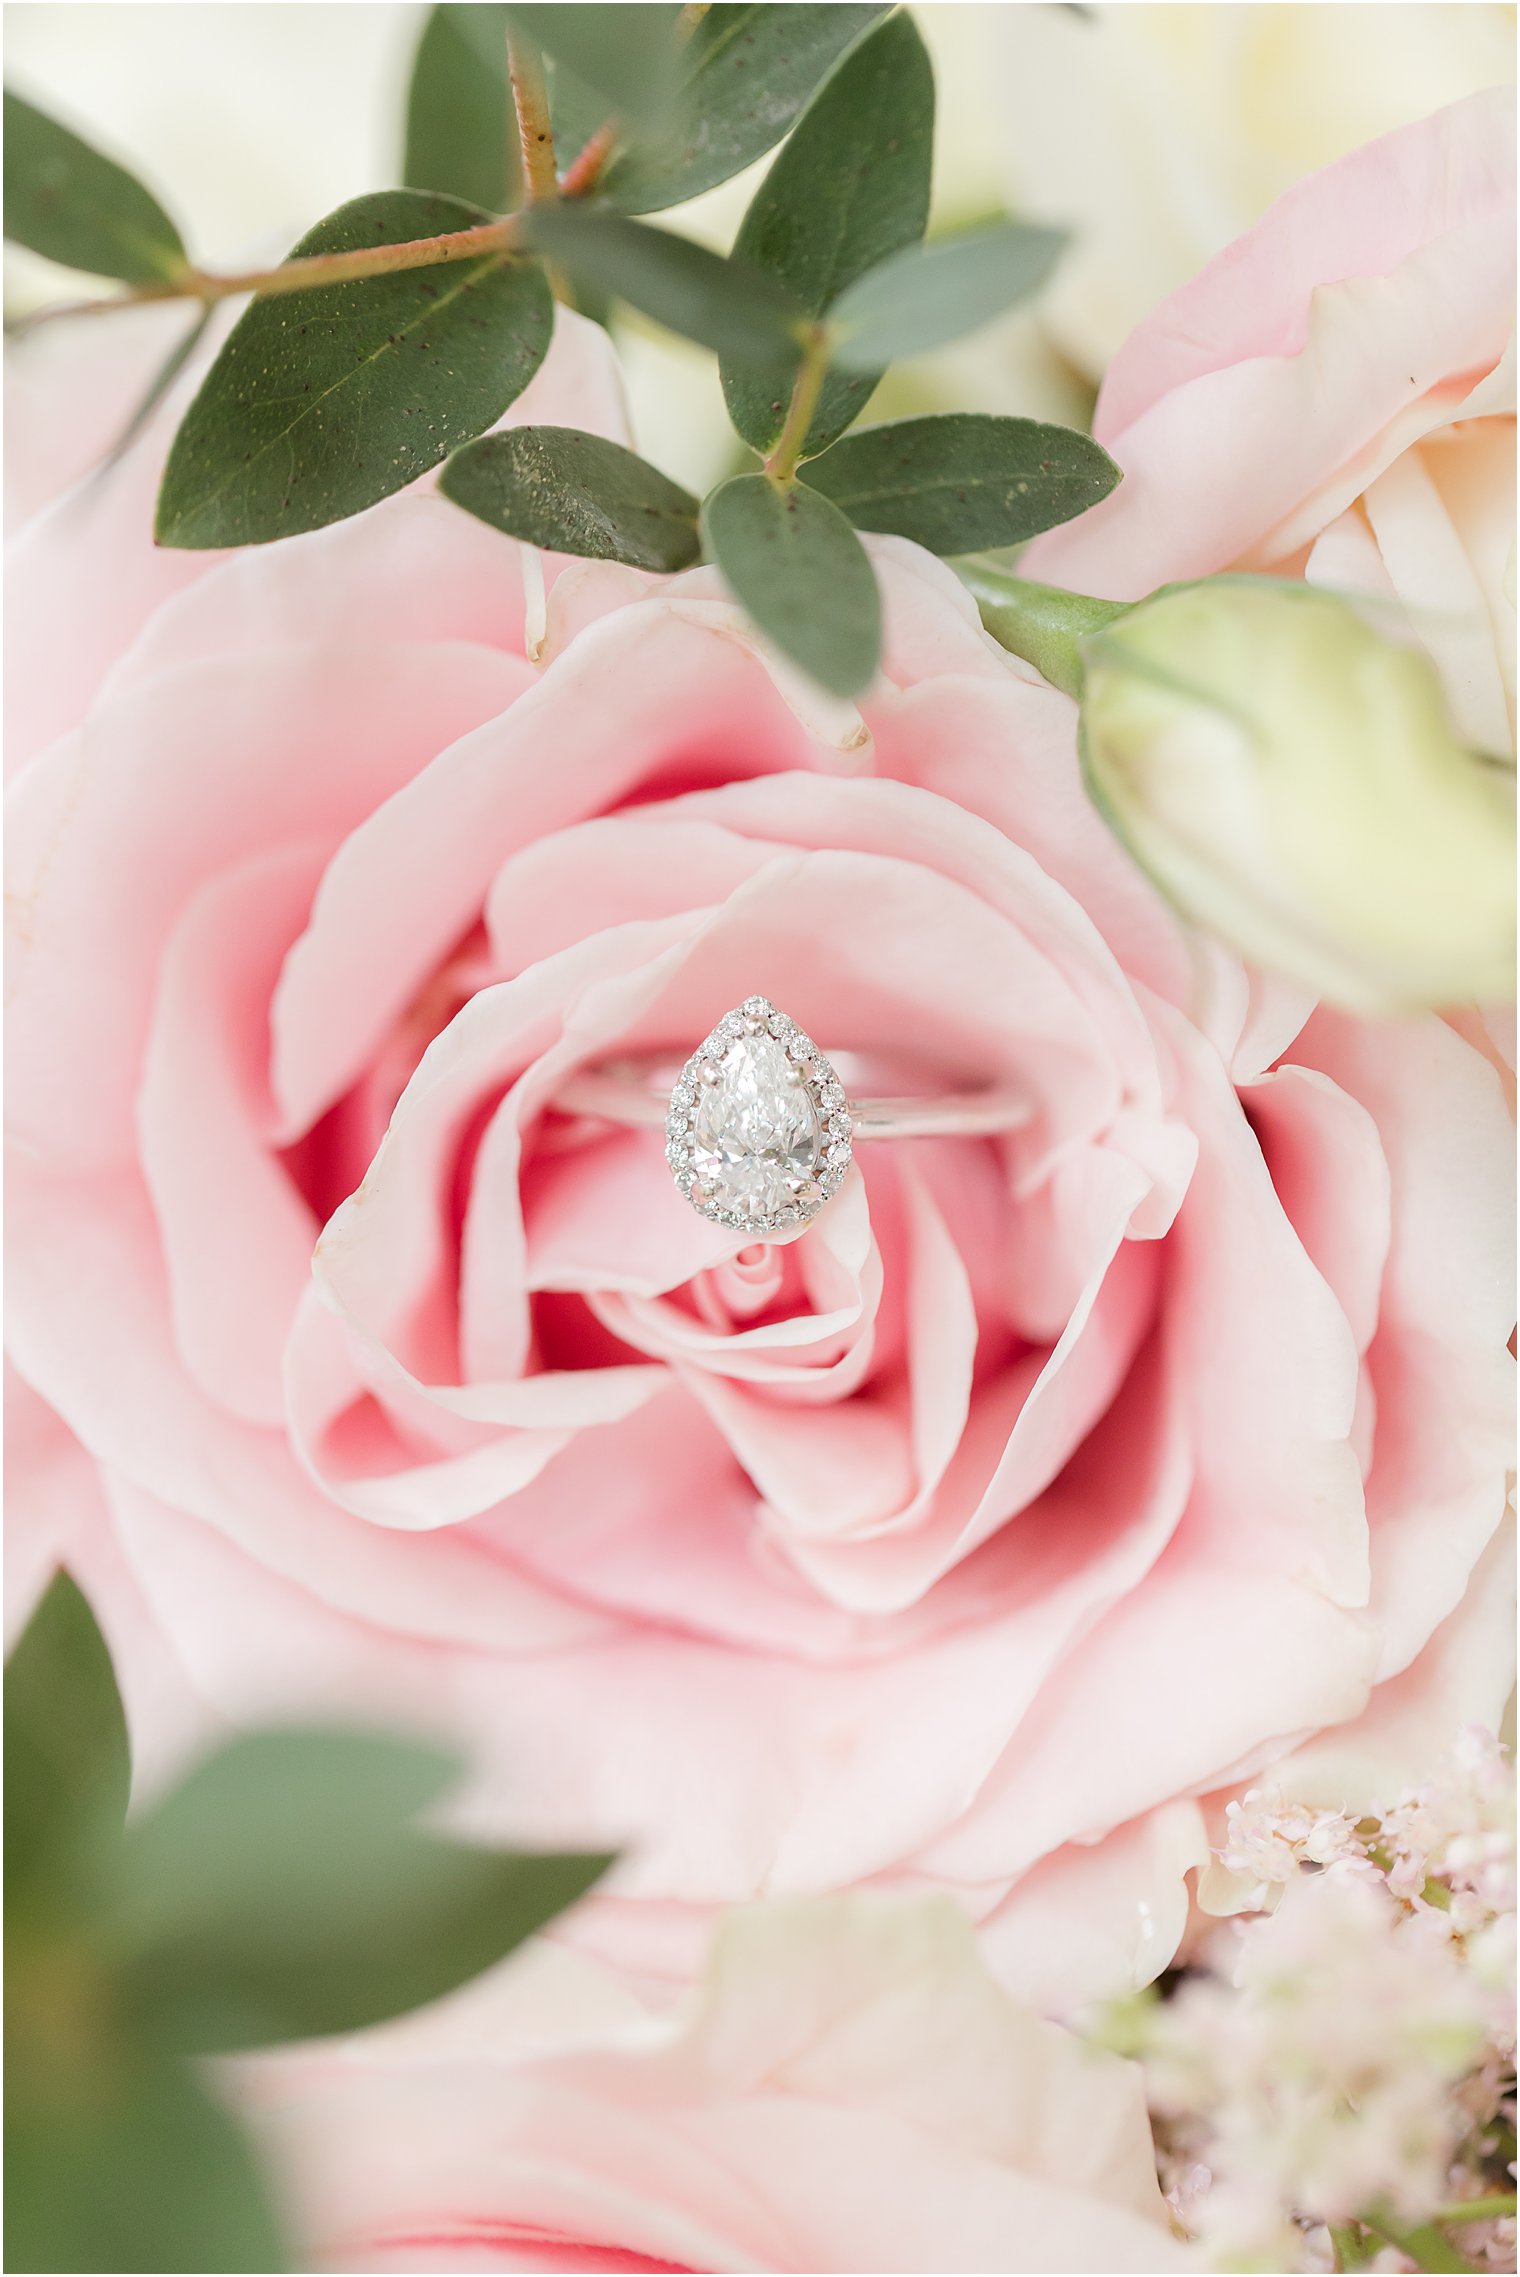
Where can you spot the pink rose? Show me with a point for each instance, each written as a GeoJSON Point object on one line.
{"type": "Point", "coordinates": [1044, 1485]}
{"type": "Point", "coordinates": [848, 2090]}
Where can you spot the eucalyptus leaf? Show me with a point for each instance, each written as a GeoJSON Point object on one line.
{"type": "Point", "coordinates": [932, 294]}
{"type": "Point", "coordinates": [322, 402]}
{"type": "Point", "coordinates": [725, 305]}
{"type": "Point", "coordinates": [459, 109]}
{"type": "Point", "coordinates": [133, 2167]}
{"type": "Point", "coordinates": [850, 188]}
{"type": "Point", "coordinates": [65, 200]}
{"type": "Point", "coordinates": [627, 53]}
{"type": "Point", "coordinates": [67, 1764]}
{"type": "Point", "coordinates": [964, 481]}
{"type": "Point", "coordinates": [575, 493]}
{"type": "Point", "coordinates": [282, 1892]}
{"type": "Point", "coordinates": [744, 74]}
{"type": "Point", "coordinates": [800, 571]}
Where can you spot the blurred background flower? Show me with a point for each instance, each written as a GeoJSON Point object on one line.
{"type": "Point", "coordinates": [1160, 133]}
{"type": "Point", "coordinates": [1342, 2056]}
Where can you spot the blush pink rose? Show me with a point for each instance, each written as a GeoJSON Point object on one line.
{"type": "Point", "coordinates": [846, 2090]}
{"type": "Point", "coordinates": [1046, 1484]}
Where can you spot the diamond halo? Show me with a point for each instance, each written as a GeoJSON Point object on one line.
{"type": "Point", "coordinates": [759, 1134]}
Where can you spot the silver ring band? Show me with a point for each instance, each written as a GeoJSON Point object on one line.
{"type": "Point", "coordinates": [759, 1129]}
{"type": "Point", "coordinates": [625, 1091]}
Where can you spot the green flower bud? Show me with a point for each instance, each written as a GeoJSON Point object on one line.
{"type": "Point", "coordinates": [1291, 781]}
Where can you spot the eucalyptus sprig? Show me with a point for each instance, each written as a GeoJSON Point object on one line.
{"type": "Point", "coordinates": [283, 1890]}
{"type": "Point", "coordinates": [403, 326]}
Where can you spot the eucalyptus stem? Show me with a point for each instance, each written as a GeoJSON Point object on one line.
{"type": "Point", "coordinates": [783, 462]}
{"type": "Point", "coordinates": [1498, 2206]}
{"type": "Point", "coordinates": [530, 103]}
{"type": "Point", "coordinates": [1422, 2243]}
{"type": "Point", "coordinates": [305, 274]}
{"type": "Point", "coordinates": [582, 173]}
{"type": "Point", "coordinates": [140, 296]}
{"type": "Point", "coordinates": [1345, 2245]}
{"type": "Point", "coordinates": [365, 261]}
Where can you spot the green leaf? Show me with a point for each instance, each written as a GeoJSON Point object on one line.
{"type": "Point", "coordinates": [67, 1764]}
{"type": "Point", "coordinates": [458, 109]}
{"type": "Point", "coordinates": [744, 74]}
{"type": "Point", "coordinates": [932, 294]}
{"type": "Point", "coordinates": [134, 2168]}
{"type": "Point", "coordinates": [283, 1893]}
{"type": "Point", "coordinates": [801, 572]}
{"type": "Point", "coordinates": [850, 188]}
{"type": "Point", "coordinates": [65, 200]}
{"type": "Point", "coordinates": [323, 402]}
{"type": "Point", "coordinates": [965, 481]}
{"type": "Point", "coordinates": [723, 304]}
{"type": "Point", "coordinates": [626, 53]}
{"type": "Point", "coordinates": [1419, 2242]}
{"type": "Point", "coordinates": [575, 493]}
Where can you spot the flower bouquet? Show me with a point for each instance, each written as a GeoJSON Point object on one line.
{"type": "Point", "coordinates": [761, 1143]}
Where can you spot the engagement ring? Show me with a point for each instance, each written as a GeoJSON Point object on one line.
{"type": "Point", "coordinates": [759, 1129]}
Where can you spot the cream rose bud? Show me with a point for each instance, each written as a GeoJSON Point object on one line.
{"type": "Point", "coordinates": [1292, 781]}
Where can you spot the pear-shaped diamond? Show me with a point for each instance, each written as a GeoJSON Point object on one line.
{"type": "Point", "coordinates": [756, 1139]}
